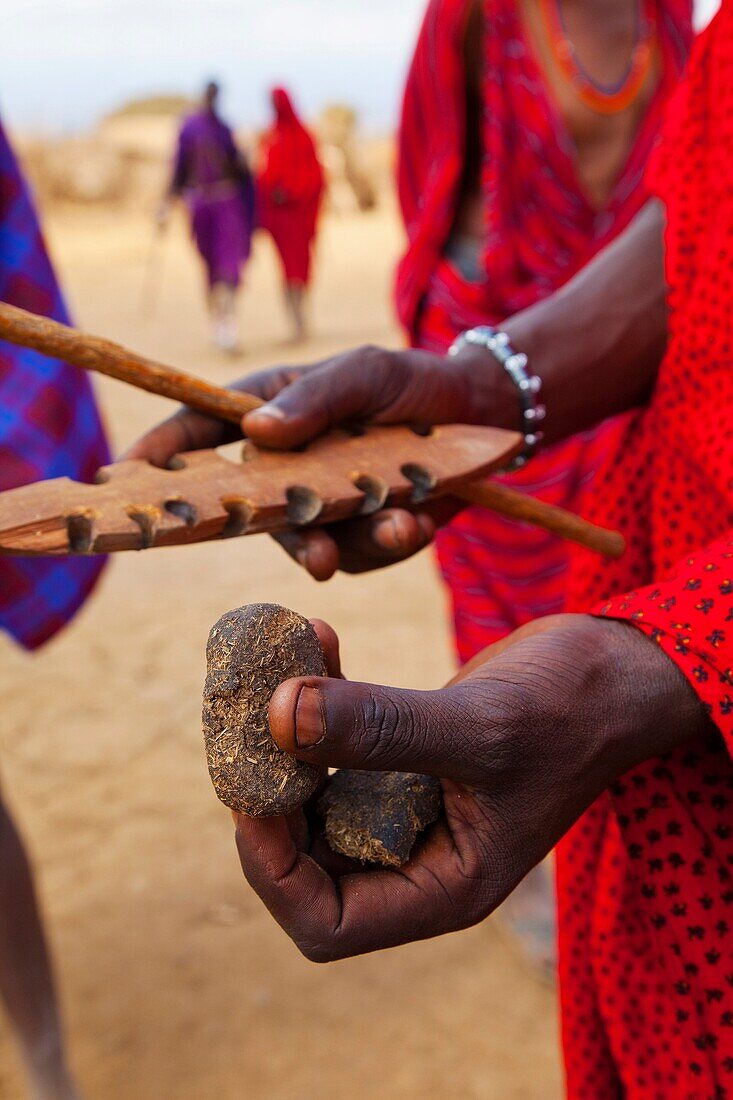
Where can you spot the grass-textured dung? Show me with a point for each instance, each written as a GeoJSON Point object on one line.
{"type": "Point", "coordinates": [250, 652]}
{"type": "Point", "coordinates": [377, 817]}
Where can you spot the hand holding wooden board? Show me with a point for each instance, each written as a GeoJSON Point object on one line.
{"type": "Point", "coordinates": [33, 522]}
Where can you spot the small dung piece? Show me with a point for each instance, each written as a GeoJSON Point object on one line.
{"type": "Point", "coordinates": [377, 816]}
{"type": "Point", "coordinates": [250, 652]}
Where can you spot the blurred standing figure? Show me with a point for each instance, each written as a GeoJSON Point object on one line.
{"type": "Point", "coordinates": [526, 129]}
{"type": "Point", "coordinates": [49, 427]}
{"type": "Point", "coordinates": [289, 190]}
{"type": "Point", "coordinates": [213, 178]}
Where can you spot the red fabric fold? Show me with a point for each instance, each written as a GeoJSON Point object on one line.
{"type": "Point", "coordinates": [540, 227]}
{"type": "Point", "coordinates": [645, 880]}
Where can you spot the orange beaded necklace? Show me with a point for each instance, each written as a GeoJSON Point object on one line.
{"type": "Point", "coordinates": [605, 99]}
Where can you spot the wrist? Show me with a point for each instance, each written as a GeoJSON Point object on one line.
{"type": "Point", "coordinates": [525, 334]}
{"type": "Point", "coordinates": [640, 703]}
{"type": "Point", "coordinates": [515, 366]}
{"type": "Point", "coordinates": [596, 695]}
{"type": "Point", "coordinates": [489, 396]}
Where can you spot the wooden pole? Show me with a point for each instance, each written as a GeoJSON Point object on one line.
{"type": "Point", "coordinates": [93, 353]}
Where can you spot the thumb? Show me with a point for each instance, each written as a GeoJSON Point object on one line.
{"type": "Point", "coordinates": [287, 421]}
{"type": "Point", "coordinates": [342, 724]}
{"type": "Point", "coordinates": [350, 387]}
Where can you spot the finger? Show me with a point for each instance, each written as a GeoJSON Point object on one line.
{"type": "Point", "coordinates": [341, 724]}
{"type": "Point", "coordinates": [328, 638]}
{"type": "Point", "coordinates": [314, 549]}
{"type": "Point", "coordinates": [308, 837]}
{"type": "Point", "coordinates": [413, 528]}
{"type": "Point", "coordinates": [186, 431]}
{"type": "Point", "coordinates": [267, 384]}
{"type": "Point", "coordinates": [359, 545]}
{"type": "Point", "coordinates": [363, 912]}
{"type": "Point", "coordinates": [298, 827]}
{"type": "Point", "coordinates": [349, 387]}
{"type": "Point", "coordinates": [392, 535]}
{"type": "Point", "coordinates": [306, 829]}
{"type": "Point", "coordinates": [333, 863]}
{"type": "Point", "coordinates": [301, 896]}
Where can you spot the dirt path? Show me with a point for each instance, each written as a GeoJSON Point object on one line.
{"type": "Point", "coordinates": [176, 982]}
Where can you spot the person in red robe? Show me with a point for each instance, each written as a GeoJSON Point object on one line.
{"type": "Point", "coordinates": [489, 110]}
{"type": "Point", "coordinates": [514, 171]}
{"type": "Point", "coordinates": [609, 730]}
{"type": "Point", "coordinates": [289, 191]}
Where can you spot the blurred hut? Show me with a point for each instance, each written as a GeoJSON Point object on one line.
{"type": "Point", "coordinates": [124, 159]}
{"type": "Point", "coordinates": [349, 182]}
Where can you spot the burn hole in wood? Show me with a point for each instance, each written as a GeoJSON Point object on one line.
{"type": "Point", "coordinates": [240, 515]}
{"type": "Point", "coordinates": [146, 519]}
{"type": "Point", "coordinates": [182, 510]}
{"type": "Point", "coordinates": [375, 492]}
{"type": "Point", "coordinates": [304, 505]}
{"type": "Point", "coordinates": [80, 532]}
{"type": "Point", "coordinates": [424, 482]}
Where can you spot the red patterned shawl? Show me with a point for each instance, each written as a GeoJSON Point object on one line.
{"type": "Point", "coordinates": [540, 227]}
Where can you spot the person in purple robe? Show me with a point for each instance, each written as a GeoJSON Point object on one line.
{"type": "Point", "coordinates": [213, 178]}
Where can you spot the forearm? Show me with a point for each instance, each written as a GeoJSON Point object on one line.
{"type": "Point", "coordinates": [595, 694]}
{"type": "Point", "coordinates": [687, 617]}
{"type": "Point", "coordinates": [596, 344]}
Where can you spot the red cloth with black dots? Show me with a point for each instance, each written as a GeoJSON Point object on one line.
{"type": "Point", "coordinates": [645, 878]}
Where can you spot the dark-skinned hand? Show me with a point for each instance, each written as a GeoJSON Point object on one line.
{"type": "Point", "coordinates": [366, 385]}
{"type": "Point", "coordinates": [523, 740]}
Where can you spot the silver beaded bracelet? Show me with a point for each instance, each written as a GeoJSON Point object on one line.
{"type": "Point", "coordinates": [515, 364]}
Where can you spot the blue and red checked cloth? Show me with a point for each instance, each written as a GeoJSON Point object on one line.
{"type": "Point", "coordinates": [49, 422]}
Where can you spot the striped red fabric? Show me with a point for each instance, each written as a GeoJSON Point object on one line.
{"type": "Point", "coordinates": [540, 230]}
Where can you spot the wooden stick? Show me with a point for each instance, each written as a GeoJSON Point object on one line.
{"type": "Point", "coordinates": [93, 353]}
{"type": "Point", "coordinates": [508, 502]}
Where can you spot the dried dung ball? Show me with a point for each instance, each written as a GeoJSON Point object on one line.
{"type": "Point", "coordinates": [377, 816]}
{"type": "Point", "coordinates": [250, 652]}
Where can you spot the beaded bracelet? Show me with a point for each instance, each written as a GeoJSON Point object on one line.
{"type": "Point", "coordinates": [515, 364]}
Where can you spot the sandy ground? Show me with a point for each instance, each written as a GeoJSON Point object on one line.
{"type": "Point", "coordinates": [176, 983]}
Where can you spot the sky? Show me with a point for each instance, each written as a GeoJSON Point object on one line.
{"type": "Point", "coordinates": [63, 63]}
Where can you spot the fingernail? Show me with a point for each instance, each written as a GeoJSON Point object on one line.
{"type": "Point", "coordinates": [389, 528]}
{"type": "Point", "coordinates": [271, 411]}
{"type": "Point", "coordinates": [310, 726]}
{"type": "Point", "coordinates": [301, 556]}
